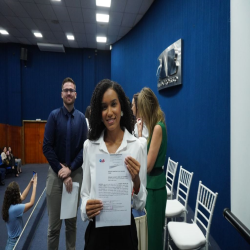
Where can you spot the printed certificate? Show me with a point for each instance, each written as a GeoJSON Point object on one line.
{"type": "Point", "coordinates": [113, 188]}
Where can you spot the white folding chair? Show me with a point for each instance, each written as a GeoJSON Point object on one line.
{"type": "Point", "coordinates": [195, 235]}
{"type": "Point", "coordinates": [178, 207]}
{"type": "Point", "coordinates": [170, 177]}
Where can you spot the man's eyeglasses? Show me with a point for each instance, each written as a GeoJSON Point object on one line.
{"type": "Point", "coordinates": [68, 90]}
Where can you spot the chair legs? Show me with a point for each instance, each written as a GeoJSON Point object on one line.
{"type": "Point", "coordinates": [164, 231]}
{"type": "Point", "coordinates": [169, 239]}
{"type": "Point", "coordinates": [164, 241]}
{"type": "Point", "coordinates": [184, 216]}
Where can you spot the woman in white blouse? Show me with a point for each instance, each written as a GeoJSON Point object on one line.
{"type": "Point", "coordinates": [111, 128]}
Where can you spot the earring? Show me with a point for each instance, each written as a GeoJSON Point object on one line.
{"type": "Point", "coordinates": [121, 113]}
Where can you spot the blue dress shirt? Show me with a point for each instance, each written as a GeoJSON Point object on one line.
{"type": "Point", "coordinates": [54, 142]}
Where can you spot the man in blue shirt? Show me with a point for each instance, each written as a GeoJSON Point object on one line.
{"type": "Point", "coordinates": [65, 133]}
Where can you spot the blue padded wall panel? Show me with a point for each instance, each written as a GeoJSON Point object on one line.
{"type": "Point", "coordinates": [99, 64]}
{"type": "Point", "coordinates": [42, 80]}
{"type": "Point", "coordinates": [88, 78]}
{"type": "Point", "coordinates": [3, 83]}
{"type": "Point", "coordinates": [45, 71]}
{"type": "Point", "coordinates": [14, 115]}
{"type": "Point", "coordinates": [33, 89]}
{"type": "Point", "coordinates": [102, 68]}
{"type": "Point", "coordinates": [197, 112]}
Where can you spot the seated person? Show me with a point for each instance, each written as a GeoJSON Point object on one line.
{"type": "Point", "coordinates": [7, 162]}
{"type": "Point", "coordinates": [15, 160]}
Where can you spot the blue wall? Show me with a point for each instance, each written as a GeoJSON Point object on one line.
{"type": "Point", "coordinates": [198, 112]}
{"type": "Point", "coordinates": [3, 83]}
{"type": "Point", "coordinates": [33, 91]}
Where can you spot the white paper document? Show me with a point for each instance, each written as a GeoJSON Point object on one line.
{"type": "Point", "coordinates": [113, 188]}
{"type": "Point", "coordinates": [69, 202]}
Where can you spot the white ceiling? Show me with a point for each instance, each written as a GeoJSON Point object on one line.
{"type": "Point", "coordinates": [77, 17]}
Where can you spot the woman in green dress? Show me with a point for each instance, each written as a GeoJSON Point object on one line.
{"type": "Point", "coordinates": [153, 117]}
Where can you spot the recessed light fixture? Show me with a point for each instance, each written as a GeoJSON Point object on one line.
{"type": "Point", "coordinates": [70, 37]}
{"type": "Point", "coordinates": [102, 18]}
{"type": "Point", "coordinates": [56, 0]}
{"type": "Point", "coordinates": [38, 34]}
{"type": "Point", "coordinates": [103, 3]}
{"type": "Point", "coordinates": [4, 32]}
{"type": "Point", "coordinates": [101, 39]}
{"type": "Point", "coordinates": [110, 47]}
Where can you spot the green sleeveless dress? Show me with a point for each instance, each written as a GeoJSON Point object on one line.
{"type": "Point", "coordinates": [157, 196]}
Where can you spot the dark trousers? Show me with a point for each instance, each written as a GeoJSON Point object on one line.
{"type": "Point", "coordinates": [2, 174]}
{"type": "Point", "coordinates": [12, 164]}
{"type": "Point", "coordinates": [111, 238]}
{"type": "Point", "coordinates": [54, 187]}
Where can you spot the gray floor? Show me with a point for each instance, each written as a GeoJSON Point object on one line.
{"type": "Point", "coordinates": [39, 240]}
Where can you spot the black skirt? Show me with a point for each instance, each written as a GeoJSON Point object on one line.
{"type": "Point", "coordinates": [111, 238]}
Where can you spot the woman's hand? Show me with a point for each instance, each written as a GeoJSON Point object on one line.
{"type": "Point", "coordinates": [133, 167]}
{"type": "Point", "coordinates": [34, 180]}
{"type": "Point", "coordinates": [93, 208]}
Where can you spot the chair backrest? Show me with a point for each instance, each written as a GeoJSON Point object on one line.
{"type": "Point", "coordinates": [183, 186]}
{"type": "Point", "coordinates": [204, 208]}
{"type": "Point", "coordinates": [170, 175]}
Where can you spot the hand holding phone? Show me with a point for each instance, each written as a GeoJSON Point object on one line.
{"type": "Point", "coordinates": [34, 173]}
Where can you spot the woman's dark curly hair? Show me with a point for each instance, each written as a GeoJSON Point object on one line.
{"type": "Point", "coordinates": [95, 121]}
{"type": "Point", "coordinates": [11, 197]}
{"type": "Point", "coordinates": [87, 112]}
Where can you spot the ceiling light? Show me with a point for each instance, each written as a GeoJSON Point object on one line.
{"type": "Point", "coordinates": [56, 0]}
{"type": "Point", "coordinates": [102, 18]}
{"type": "Point", "coordinates": [38, 34]}
{"type": "Point", "coordinates": [103, 3]}
{"type": "Point", "coordinates": [70, 37]}
{"type": "Point", "coordinates": [101, 39]}
{"type": "Point", "coordinates": [4, 32]}
{"type": "Point", "coordinates": [110, 47]}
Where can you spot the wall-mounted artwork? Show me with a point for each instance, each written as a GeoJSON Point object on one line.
{"type": "Point", "coordinates": [169, 69]}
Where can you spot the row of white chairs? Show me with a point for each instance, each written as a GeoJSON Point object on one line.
{"type": "Point", "coordinates": [187, 235]}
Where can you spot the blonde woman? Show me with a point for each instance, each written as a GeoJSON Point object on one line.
{"type": "Point", "coordinates": [153, 116]}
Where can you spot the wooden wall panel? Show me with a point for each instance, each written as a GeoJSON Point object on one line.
{"type": "Point", "coordinates": [33, 142]}
{"type": "Point", "coordinates": [26, 142]}
{"type": "Point", "coordinates": [14, 140]}
{"type": "Point", "coordinates": [11, 136]}
{"type": "Point", "coordinates": [30, 141]}
{"type": "Point", "coordinates": [41, 136]}
{"type": "Point", "coordinates": [3, 136]}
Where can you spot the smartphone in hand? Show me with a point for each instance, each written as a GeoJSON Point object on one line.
{"type": "Point", "coordinates": [34, 173]}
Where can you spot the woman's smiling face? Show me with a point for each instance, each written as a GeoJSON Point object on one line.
{"type": "Point", "coordinates": [111, 110]}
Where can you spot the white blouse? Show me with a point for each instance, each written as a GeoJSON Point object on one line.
{"type": "Point", "coordinates": [4, 156]}
{"type": "Point", "coordinates": [87, 121]}
{"type": "Point", "coordinates": [144, 131]}
{"type": "Point", "coordinates": [131, 146]}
